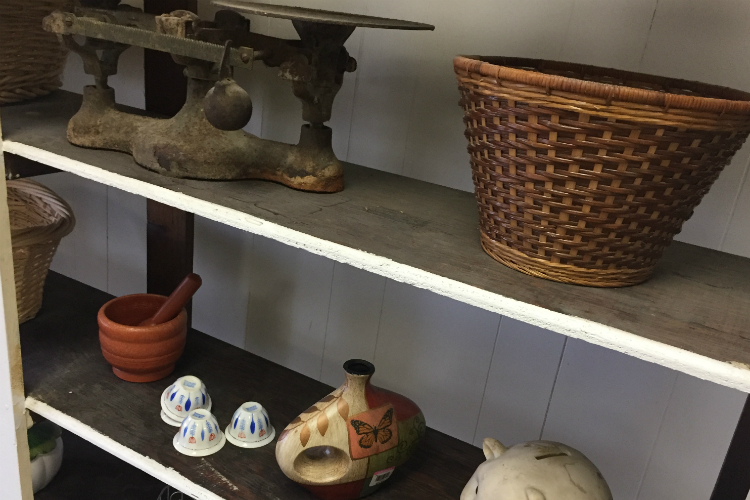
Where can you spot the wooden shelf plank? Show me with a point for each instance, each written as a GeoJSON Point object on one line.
{"type": "Point", "coordinates": [68, 381]}
{"type": "Point", "coordinates": [692, 316]}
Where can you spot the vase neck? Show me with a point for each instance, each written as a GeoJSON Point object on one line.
{"type": "Point", "coordinates": [358, 373]}
{"type": "Point", "coordinates": [357, 382]}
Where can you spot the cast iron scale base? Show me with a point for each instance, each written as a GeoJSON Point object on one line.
{"type": "Point", "coordinates": [205, 139]}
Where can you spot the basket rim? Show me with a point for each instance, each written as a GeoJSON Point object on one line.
{"type": "Point", "coordinates": [40, 234]}
{"type": "Point", "coordinates": [728, 100]}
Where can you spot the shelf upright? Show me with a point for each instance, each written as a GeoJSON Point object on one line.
{"type": "Point", "coordinates": [170, 234]}
{"type": "Point", "coordinates": [733, 482]}
{"type": "Point", "coordinates": [15, 474]}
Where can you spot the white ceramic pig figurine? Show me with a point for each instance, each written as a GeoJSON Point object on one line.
{"type": "Point", "coordinates": [537, 470]}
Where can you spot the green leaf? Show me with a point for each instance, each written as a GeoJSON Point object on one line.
{"type": "Point", "coordinates": [42, 437]}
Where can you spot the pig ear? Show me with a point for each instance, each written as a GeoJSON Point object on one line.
{"type": "Point", "coordinates": [493, 448]}
{"type": "Point", "coordinates": [534, 494]}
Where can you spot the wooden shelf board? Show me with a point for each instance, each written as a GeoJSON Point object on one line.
{"type": "Point", "coordinates": [68, 381]}
{"type": "Point", "coordinates": [692, 316]}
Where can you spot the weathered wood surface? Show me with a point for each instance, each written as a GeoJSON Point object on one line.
{"type": "Point", "coordinates": [16, 473]}
{"type": "Point", "coordinates": [698, 299]}
{"type": "Point", "coordinates": [64, 368]}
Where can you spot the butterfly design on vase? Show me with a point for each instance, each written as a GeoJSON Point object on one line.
{"type": "Point", "coordinates": [370, 435]}
{"type": "Point", "coordinates": [211, 436]}
{"type": "Point", "coordinates": [178, 408]}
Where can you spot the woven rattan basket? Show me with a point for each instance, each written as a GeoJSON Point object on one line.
{"type": "Point", "coordinates": [38, 221]}
{"type": "Point", "coordinates": [584, 174]}
{"type": "Point", "coordinates": [31, 60]}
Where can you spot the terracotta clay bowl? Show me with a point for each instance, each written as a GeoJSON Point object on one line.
{"type": "Point", "coordinates": [140, 353]}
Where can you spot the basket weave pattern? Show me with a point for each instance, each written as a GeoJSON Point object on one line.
{"type": "Point", "coordinates": [31, 60]}
{"type": "Point", "coordinates": [39, 219]}
{"type": "Point", "coordinates": [586, 180]}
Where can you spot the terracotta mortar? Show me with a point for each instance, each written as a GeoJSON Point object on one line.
{"type": "Point", "coordinates": [140, 353]}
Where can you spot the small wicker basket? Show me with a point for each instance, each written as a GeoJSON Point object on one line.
{"type": "Point", "coordinates": [31, 60]}
{"type": "Point", "coordinates": [38, 221]}
{"type": "Point", "coordinates": [583, 174]}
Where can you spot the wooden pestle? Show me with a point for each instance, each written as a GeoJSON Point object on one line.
{"type": "Point", "coordinates": [176, 301]}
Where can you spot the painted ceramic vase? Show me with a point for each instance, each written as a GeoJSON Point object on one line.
{"type": "Point", "coordinates": [349, 443]}
{"type": "Point", "coordinates": [140, 353]}
{"type": "Point", "coordinates": [537, 470]}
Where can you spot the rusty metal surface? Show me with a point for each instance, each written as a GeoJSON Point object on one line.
{"type": "Point", "coordinates": [319, 16]}
{"type": "Point", "coordinates": [65, 23]}
{"type": "Point", "coordinates": [189, 146]}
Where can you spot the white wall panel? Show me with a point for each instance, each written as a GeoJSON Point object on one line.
{"type": "Point", "coordinates": [524, 367]}
{"type": "Point", "coordinates": [437, 352]}
{"type": "Point", "coordinates": [609, 33]}
{"type": "Point", "coordinates": [126, 242]}
{"type": "Point", "coordinates": [699, 40]}
{"type": "Point", "coordinates": [343, 106]}
{"type": "Point", "coordinates": [82, 254]}
{"type": "Point", "coordinates": [222, 257]}
{"type": "Point", "coordinates": [282, 112]}
{"type": "Point", "coordinates": [290, 290]}
{"type": "Point", "coordinates": [610, 407]}
{"type": "Point", "coordinates": [711, 223]}
{"type": "Point", "coordinates": [693, 440]}
{"type": "Point", "coordinates": [737, 238]}
{"type": "Point", "coordinates": [353, 320]}
{"type": "Point", "coordinates": [386, 78]}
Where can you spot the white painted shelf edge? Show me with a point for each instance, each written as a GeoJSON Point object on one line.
{"type": "Point", "coordinates": [731, 375]}
{"type": "Point", "coordinates": [148, 465]}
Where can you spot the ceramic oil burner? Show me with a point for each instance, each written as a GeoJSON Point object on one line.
{"type": "Point", "coordinates": [140, 353]}
{"type": "Point", "coordinates": [199, 435]}
{"type": "Point", "coordinates": [349, 443]}
{"type": "Point", "coordinates": [537, 470]}
{"type": "Point", "coordinates": [186, 394]}
{"type": "Point", "coordinates": [250, 427]}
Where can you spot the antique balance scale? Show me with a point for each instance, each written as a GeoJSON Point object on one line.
{"type": "Point", "coordinates": [205, 139]}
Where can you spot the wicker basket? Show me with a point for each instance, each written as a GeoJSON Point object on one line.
{"type": "Point", "coordinates": [38, 221]}
{"type": "Point", "coordinates": [31, 60]}
{"type": "Point", "coordinates": [584, 174]}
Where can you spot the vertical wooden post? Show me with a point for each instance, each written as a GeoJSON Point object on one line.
{"type": "Point", "coordinates": [169, 238]}
{"type": "Point", "coordinates": [733, 482]}
{"type": "Point", "coordinates": [15, 475]}
{"type": "Point", "coordinates": [170, 247]}
{"type": "Point", "coordinates": [165, 85]}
